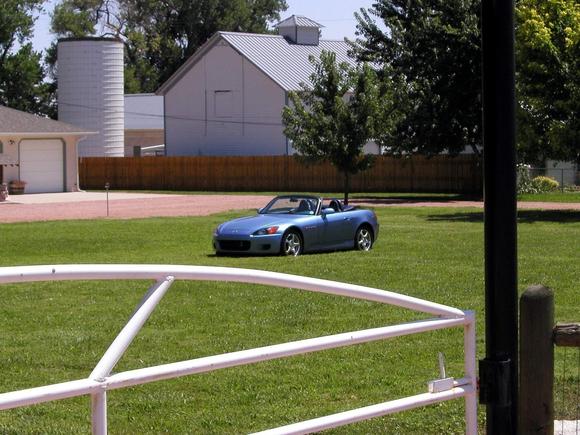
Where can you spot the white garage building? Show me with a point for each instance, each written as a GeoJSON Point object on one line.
{"type": "Point", "coordinates": [39, 151]}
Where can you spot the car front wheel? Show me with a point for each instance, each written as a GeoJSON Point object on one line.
{"type": "Point", "coordinates": [363, 239]}
{"type": "Point", "coordinates": [291, 244]}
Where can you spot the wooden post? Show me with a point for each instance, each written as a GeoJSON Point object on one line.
{"type": "Point", "coordinates": [567, 334]}
{"type": "Point", "coordinates": [536, 397]}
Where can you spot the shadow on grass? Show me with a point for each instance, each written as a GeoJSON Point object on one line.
{"type": "Point", "coordinates": [524, 216]}
{"type": "Point", "coordinates": [411, 199]}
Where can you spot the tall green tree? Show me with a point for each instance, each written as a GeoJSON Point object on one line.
{"type": "Point", "coordinates": [548, 79]}
{"type": "Point", "coordinates": [160, 35]}
{"type": "Point", "coordinates": [22, 76]}
{"type": "Point", "coordinates": [430, 49]}
{"type": "Point", "coordinates": [333, 117]}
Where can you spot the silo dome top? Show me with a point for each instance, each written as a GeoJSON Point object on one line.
{"type": "Point", "coordinates": [91, 38]}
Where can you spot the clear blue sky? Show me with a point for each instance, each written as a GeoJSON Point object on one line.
{"type": "Point", "coordinates": [335, 15]}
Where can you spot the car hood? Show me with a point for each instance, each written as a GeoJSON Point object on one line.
{"type": "Point", "coordinates": [248, 225]}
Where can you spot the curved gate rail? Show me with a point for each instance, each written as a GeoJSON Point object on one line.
{"type": "Point", "coordinates": [101, 380]}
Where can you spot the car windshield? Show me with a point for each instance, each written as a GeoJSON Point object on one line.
{"type": "Point", "coordinates": [304, 205]}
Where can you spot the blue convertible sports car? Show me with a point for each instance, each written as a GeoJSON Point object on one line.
{"type": "Point", "coordinates": [293, 224]}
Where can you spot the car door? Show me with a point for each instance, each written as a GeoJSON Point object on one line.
{"type": "Point", "coordinates": [336, 228]}
{"type": "Point", "coordinates": [312, 231]}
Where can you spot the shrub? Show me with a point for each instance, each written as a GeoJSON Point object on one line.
{"type": "Point", "coordinates": [524, 181]}
{"type": "Point", "coordinates": [545, 184]}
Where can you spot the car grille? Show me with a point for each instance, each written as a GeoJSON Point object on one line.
{"type": "Point", "coordinates": [234, 245]}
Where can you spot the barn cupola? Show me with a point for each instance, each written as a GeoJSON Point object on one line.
{"type": "Point", "coordinates": [299, 29]}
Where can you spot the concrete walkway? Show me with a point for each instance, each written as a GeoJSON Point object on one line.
{"type": "Point", "coordinates": [51, 198]}
{"type": "Point", "coordinates": [94, 205]}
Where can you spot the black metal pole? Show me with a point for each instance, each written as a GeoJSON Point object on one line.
{"type": "Point", "coordinates": [498, 372]}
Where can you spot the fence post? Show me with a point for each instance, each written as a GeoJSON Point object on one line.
{"type": "Point", "coordinates": [536, 397]}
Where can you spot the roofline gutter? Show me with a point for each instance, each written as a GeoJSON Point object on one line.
{"type": "Point", "coordinates": [194, 58]}
{"type": "Point", "coordinates": [258, 68]}
{"type": "Point", "coordinates": [183, 69]}
{"type": "Point", "coordinates": [48, 134]}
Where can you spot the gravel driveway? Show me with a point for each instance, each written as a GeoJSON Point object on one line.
{"type": "Point", "coordinates": [93, 205]}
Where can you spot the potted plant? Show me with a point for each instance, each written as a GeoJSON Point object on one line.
{"type": "Point", "coordinates": [3, 192]}
{"type": "Point", "coordinates": [16, 187]}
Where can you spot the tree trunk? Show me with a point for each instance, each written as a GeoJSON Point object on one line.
{"type": "Point", "coordinates": [346, 187]}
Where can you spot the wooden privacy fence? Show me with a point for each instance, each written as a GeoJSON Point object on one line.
{"type": "Point", "coordinates": [461, 174]}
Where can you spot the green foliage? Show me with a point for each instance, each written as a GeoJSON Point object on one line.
{"type": "Point", "coordinates": [548, 79]}
{"type": "Point", "coordinates": [22, 83]}
{"type": "Point", "coordinates": [528, 185]}
{"type": "Point", "coordinates": [545, 184]}
{"type": "Point", "coordinates": [334, 117]}
{"type": "Point", "coordinates": [159, 36]}
{"type": "Point", "coordinates": [16, 22]}
{"type": "Point", "coordinates": [431, 54]}
{"type": "Point", "coordinates": [76, 18]}
{"type": "Point", "coordinates": [524, 180]}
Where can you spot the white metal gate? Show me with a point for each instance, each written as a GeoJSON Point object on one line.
{"type": "Point", "coordinates": [101, 380]}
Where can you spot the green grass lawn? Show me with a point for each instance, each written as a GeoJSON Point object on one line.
{"type": "Point", "coordinates": [356, 195]}
{"type": "Point", "coordinates": [566, 196]}
{"type": "Point", "coordinates": [558, 196]}
{"type": "Point", "coordinates": [57, 332]}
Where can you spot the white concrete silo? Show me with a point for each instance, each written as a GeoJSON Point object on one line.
{"type": "Point", "coordinates": [91, 92]}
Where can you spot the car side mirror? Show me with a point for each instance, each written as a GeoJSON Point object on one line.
{"type": "Point", "coordinates": [260, 210]}
{"type": "Point", "coordinates": [327, 210]}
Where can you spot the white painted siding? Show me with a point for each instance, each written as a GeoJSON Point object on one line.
{"type": "Point", "coordinates": [300, 35]}
{"type": "Point", "coordinates": [224, 106]}
{"type": "Point", "coordinates": [143, 112]}
{"type": "Point", "coordinates": [563, 172]}
{"type": "Point", "coordinates": [90, 92]}
{"type": "Point", "coordinates": [308, 36]}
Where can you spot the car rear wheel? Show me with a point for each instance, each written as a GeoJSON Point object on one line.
{"type": "Point", "coordinates": [363, 239]}
{"type": "Point", "coordinates": [291, 244]}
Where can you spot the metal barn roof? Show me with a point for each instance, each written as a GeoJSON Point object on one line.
{"type": "Point", "coordinates": [298, 21]}
{"type": "Point", "coordinates": [284, 62]}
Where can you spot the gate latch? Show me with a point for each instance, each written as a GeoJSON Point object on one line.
{"type": "Point", "coordinates": [443, 383]}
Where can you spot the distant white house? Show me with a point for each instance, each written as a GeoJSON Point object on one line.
{"type": "Point", "coordinates": [227, 98]}
{"type": "Point", "coordinates": [566, 173]}
{"type": "Point", "coordinates": [144, 132]}
{"type": "Point", "coordinates": [39, 151]}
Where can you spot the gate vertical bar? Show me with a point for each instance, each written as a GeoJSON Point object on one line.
{"type": "Point", "coordinates": [99, 413]}
{"type": "Point", "coordinates": [501, 304]}
{"type": "Point", "coordinates": [469, 345]}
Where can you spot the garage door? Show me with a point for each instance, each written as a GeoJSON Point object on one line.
{"type": "Point", "coordinates": [42, 165]}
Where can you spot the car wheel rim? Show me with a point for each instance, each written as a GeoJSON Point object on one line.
{"type": "Point", "coordinates": [292, 244]}
{"type": "Point", "coordinates": [364, 240]}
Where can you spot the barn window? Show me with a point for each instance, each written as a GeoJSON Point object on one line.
{"type": "Point", "coordinates": [223, 103]}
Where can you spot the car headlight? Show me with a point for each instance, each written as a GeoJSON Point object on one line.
{"type": "Point", "coordinates": [265, 231]}
{"type": "Point", "coordinates": [217, 230]}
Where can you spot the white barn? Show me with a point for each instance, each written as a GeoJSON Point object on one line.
{"type": "Point", "coordinates": [143, 124]}
{"type": "Point", "coordinates": [227, 98]}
